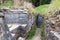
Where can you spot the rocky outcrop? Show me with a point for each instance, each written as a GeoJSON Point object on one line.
{"type": "Point", "coordinates": [52, 26]}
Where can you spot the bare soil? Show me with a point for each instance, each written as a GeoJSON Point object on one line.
{"type": "Point", "coordinates": [37, 35]}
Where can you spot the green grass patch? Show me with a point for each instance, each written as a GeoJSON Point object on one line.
{"type": "Point", "coordinates": [56, 4]}
{"type": "Point", "coordinates": [8, 3]}
{"type": "Point", "coordinates": [41, 8]}
{"type": "Point", "coordinates": [32, 32]}
{"type": "Point", "coordinates": [42, 31]}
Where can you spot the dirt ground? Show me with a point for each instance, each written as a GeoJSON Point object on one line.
{"type": "Point", "coordinates": [37, 35]}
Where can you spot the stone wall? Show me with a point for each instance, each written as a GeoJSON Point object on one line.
{"type": "Point", "coordinates": [52, 26]}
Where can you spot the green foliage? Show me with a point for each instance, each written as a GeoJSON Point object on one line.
{"type": "Point", "coordinates": [7, 3]}
{"type": "Point", "coordinates": [32, 32]}
{"type": "Point", "coordinates": [41, 9]}
{"type": "Point", "coordinates": [56, 4]}
{"type": "Point", "coordinates": [40, 2]}
{"type": "Point", "coordinates": [36, 2]}
{"type": "Point", "coordinates": [45, 2]}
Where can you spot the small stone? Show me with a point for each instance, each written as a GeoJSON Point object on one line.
{"type": "Point", "coordinates": [20, 38]}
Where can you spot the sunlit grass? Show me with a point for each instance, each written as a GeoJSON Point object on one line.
{"type": "Point", "coordinates": [56, 4]}
{"type": "Point", "coordinates": [41, 8]}
{"type": "Point", "coordinates": [8, 3]}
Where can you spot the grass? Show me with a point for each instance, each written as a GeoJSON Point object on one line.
{"type": "Point", "coordinates": [41, 8]}
{"type": "Point", "coordinates": [32, 32]}
{"type": "Point", "coordinates": [42, 31]}
{"type": "Point", "coordinates": [9, 3]}
{"type": "Point", "coordinates": [56, 4]}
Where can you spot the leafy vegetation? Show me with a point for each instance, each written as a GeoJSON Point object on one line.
{"type": "Point", "coordinates": [40, 2]}
{"type": "Point", "coordinates": [34, 2]}
{"type": "Point", "coordinates": [44, 5]}
{"type": "Point", "coordinates": [32, 32]}
{"type": "Point", "coordinates": [56, 4]}
{"type": "Point", "coordinates": [9, 3]}
{"type": "Point", "coordinates": [45, 9]}
{"type": "Point", "coordinates": [41, 9]}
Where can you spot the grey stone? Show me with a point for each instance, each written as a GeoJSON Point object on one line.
{"type": "Point", "coordinates": [52, 26]}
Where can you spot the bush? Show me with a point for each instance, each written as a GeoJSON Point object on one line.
{"type": "Point", "coordinates": [40, 2]}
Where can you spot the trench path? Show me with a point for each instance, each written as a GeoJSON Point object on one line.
{"type": "Point", "coordinates": [37, 35]}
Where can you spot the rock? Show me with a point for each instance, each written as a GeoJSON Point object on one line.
{"type": "Point", "coordinates": [54, 35]}
{"type": "Point", "coordinates": [20, 38]}
{"type": "Point", "coordinates": [59, 17]}
{"type": "Point", "coordinates": [52, 26]}
{"type": "Point", "coordinates": [58, 27]}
